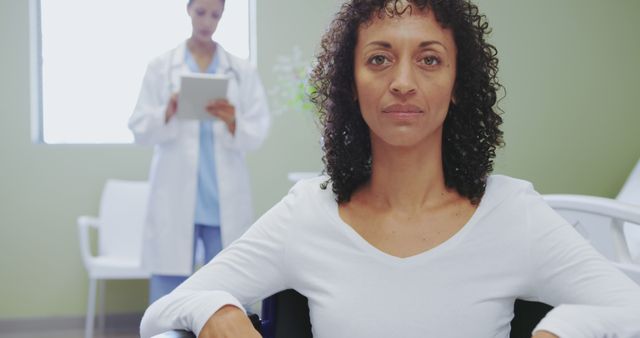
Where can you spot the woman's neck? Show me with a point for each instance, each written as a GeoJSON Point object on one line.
{"type": "Point", "coordinates": [407, 178]}
{"type": "Point", "coordinates": [201, 48]}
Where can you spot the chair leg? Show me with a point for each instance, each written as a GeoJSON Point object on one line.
{"type": "Point", "coordinates": [101, 307]}
{"type": "Point", "coordinates": [91, 308]}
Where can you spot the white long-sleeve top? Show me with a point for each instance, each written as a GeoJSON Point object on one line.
{"type": "Point", "coordinates": [514, 246]}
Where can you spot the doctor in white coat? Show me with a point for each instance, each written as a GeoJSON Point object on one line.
{"type": "Point", "coordinates": [200, 185]}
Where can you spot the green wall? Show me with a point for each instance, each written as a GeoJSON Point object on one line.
{"type": "Point", "coordinates": [570, 123]}
{"type": "Point", "coordinates": [571, 70]}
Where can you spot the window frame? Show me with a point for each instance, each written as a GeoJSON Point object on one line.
{"type": "Point", "coordinates": [36, 104]}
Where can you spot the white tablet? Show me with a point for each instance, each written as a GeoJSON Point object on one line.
{"type": "Point", "coordinates": [196, 90]}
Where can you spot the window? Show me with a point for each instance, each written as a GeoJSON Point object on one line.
{"type": "Point", "coordinates": [89, 58]}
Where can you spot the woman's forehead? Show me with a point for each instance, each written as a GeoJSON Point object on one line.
{"type": "Point", "coordinates": [418, 22]}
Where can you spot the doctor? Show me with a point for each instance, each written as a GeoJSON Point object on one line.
{"type": "Point", "coordinates": [200, 189]}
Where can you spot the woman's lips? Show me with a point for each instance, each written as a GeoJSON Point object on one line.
{"type": "Point", "coordinates": [402, 111]}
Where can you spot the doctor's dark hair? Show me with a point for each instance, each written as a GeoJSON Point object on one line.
{"type": "Point", "coordinates": [189, 2]}
{"type": "Point", "coordinates": [471, 128]}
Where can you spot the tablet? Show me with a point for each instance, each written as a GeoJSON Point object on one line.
{"type": "Point", "coordinates": [196, 90]}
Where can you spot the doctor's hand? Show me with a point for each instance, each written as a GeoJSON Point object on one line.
{"type": "Point", "coordinates": [225, 111]}
{"type": "Point", "coordinates": [172, 107]}
{"type": "Point", "coordinates": [228, 322]}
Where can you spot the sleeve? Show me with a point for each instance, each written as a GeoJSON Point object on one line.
{"type": "Point", "coordinates": [147, 121]}
{"type": "Point", "coordinates": [250, 269]}
{"type": "Point", "coordinates": [253, 118]}
{"type": "Point", "coordinates": [592, 298]}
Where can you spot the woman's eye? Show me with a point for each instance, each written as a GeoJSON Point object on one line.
{"type": "Point", "coordinates": [431, 61]}
{"type": "Point", "coordinates": [200, 12]}
{"type": "Point", "coordinates": [378, 60]}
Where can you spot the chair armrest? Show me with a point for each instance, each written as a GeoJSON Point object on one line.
{"type": "Point", "coordinates": [602, 206]}
{"type": "Point", "coordinates": [84, 223]}
{"type": "Point", "coordinates": [620, 213]}
{"type": "Point", "coordinates": [176, 334]}
{"type": "Point", "coordinates": [255, 320]}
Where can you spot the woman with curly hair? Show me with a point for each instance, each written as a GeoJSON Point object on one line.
{"type": "Point", "coordinates": [408, 235]}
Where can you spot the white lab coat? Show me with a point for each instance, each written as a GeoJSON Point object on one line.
{"type": "Point", "coordinates": [168, 238]}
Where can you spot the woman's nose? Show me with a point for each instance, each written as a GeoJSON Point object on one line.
{"type": "Point", "coordinates": [403, 82]}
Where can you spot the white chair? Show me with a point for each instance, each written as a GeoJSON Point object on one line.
{"type": "Point", "coordinates": [120, 232]}
{"type": "Point", "coordinates": [630, 193]}
{"type": "Point", "coordinates": [601, 221]}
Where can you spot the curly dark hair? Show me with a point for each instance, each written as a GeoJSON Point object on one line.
{"type": "Point", "coordinates": [471, 131]}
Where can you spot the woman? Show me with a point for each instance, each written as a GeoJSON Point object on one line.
{"type": "Point", "coordinates": [409, 236]}
{"type": "Point", "coordinates": [200, 188]}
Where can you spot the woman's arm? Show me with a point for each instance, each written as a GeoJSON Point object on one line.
{"type": "Point", "coordinates": [152, 121]}
{"type": "Point", "coordinates": [229, 321]}
{"type": "Point", "coordinates": [592, 297]}
{"type": "Point", "coordinates": [250, 269]}
{"type": "Point", "coordinates": [252, 120]}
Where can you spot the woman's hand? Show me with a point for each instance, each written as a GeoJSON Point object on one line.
{"type": "Point", "coordinates": [225, 111]}
{"type": "Point", "coordinates": [172, 107]}
{"type": "Point", "coordinates": [229, 322]}
{"type": "Point", "coordinates": [544, 334]}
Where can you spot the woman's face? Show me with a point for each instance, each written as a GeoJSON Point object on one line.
{"type": "Point", "coordinates": [405, 69]}
{"type": "Point", "coordinates": [205, 15]}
